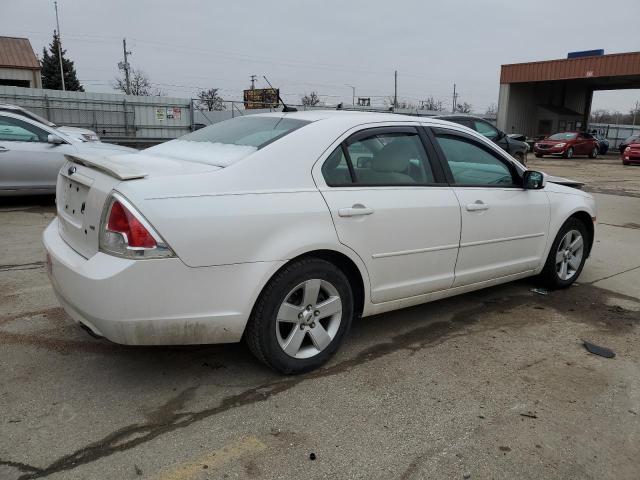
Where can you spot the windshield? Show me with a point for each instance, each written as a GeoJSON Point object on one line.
{"type": "Point", "coordinates": [563, 136]}
{"type": "Point", "coordinates": [224, 143]}
{"type": "Point", "coordinates": [632, 139]}
{"type": "Point", "coordinates": [28, 114]}
{"type": "Point", "coordinates": [251, 131]}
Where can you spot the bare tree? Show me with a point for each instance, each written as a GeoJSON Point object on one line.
{"type": "Point", "coordinates": [492, 109]}
{"type": "Point", "coordinates": [400, 103]}
{"type": "Point", "coordinates": [210, 100]}
{"type": "Point", "coordinates": [433, 104]}
{"type": "Point", "coordinates": [139, 84]}
{"type": "Point", "coordinates": [310, 100]}
{"type": "Point", "coordinates": [464, 107]}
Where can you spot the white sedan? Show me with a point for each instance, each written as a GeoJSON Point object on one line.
{"type": "Point", "coordinates": [281, 228]}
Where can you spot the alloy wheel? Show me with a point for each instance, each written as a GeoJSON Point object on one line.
{"type": "Point", "coordinates": [309, 318]}
{"type": "Point", "coordinates": [569, 254]}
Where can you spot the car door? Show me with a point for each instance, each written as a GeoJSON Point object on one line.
{"type": "Point", "coordinates": [390, 204]}
{"type": "Point", "coordinates": [504, 227]}
{"type": "Point", "coordinates": [27, 160]}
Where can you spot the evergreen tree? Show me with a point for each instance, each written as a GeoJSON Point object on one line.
{"type": "Point", "coordinates": [51, 68]}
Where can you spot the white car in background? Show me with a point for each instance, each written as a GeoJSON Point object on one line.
{"type": "Point", "coordinates": [282, 228]}
{"type": "Point", "coordinates": [31, 154]}
{"type": "Point", "coordinates": [82, 134]}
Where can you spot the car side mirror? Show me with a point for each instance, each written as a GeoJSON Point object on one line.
{"type": "Point", "coordinates": [533, 180]}
{"type": "Point", "coordinates": [54, 139]}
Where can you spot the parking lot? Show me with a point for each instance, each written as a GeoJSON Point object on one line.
{"type": "Point", "coordinates": [493, 384]}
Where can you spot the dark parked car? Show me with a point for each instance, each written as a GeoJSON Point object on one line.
{"type": "Point", "coordinates": [629, 141]}
{"type": "Point", "coordinates": [517, 148]}
{"type": "Point", "coordinates": [567, 144]}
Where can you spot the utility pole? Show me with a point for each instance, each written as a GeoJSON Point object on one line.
{"type": "Point", "coordinates": [455, 99]}
{"type": "Point", "coordinates": [55, 4]}
{"type": "Point", "coordinates": [253, 82]}
{"type": "Point", "coordinates": [124, 65]}
{"type": "Point", "coordinates": [395, 89]}
{"type": "Point", "coordinates": [353, 94]}
{"type": "Point", "coordinates": [635, 112]}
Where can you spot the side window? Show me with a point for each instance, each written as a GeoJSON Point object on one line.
{"type": "Point", "coordinates": [394, 158]}
{"type": "Point", "coordinates": [486, 129]}
{"type": "Point", "coordinates": [14, 130]}
{"type": "Point", "coordinates": [335, 169]}
{"type": "Point", "coordinates": [472, 164]}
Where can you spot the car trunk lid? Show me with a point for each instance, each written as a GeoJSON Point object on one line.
{"type": "Point", "coordinates": [86, 180]}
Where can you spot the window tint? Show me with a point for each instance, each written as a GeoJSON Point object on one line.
{"type": "Point", "coordinates": [390, 159]}
{"type": "Point", "coordinates": [563, 136]}
{"type": "Point", "coordinates": [252, 131]}
{"type": "Point", "coordinates": [486, 129]}
{"type": "Point", "coordinates": [336, 170]}
{"type": "Point", "coordinates": [471, 164]}
{"type": "Point", "coordinates": [14, 130]}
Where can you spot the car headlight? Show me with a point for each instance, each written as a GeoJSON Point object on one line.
{"type": "Point", "coordinates": [90, 137]}
{"type": "Point", "coordinates": [627, 150]}
{"type": "Point", "coordinates": [560, 144]}
{"type": "Point", "coordinates": [536, 144]}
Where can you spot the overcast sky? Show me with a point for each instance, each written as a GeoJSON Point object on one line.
{"type": "Point", "coordinates": [317, 45]}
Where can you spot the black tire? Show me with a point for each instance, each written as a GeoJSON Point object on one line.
{"type": "Point", "coordinates": [569, 153]}
{"type": "Point", "coordinates": [549, 276]}
{"type": "Point", "coordinates": [539, 155]}
{"type": "Point", "coordinates": [594, 153]}
{"type": "Point", "coordinates": [625, 163]}
{"type": "Point", "coordinates": [260, 334]}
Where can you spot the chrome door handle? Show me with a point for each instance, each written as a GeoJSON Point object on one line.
{"type": "Point", "coordinates": [478, 205]}
{"type": "Point", "coordinates": [355, 211]}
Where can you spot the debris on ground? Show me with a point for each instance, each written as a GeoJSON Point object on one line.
{"type": "Point", "coordinates": [598, 350]}
{"type": "Point", "coordinates": [312, 456]}
{"type": "Point", "coordinates": [138, 470]}
{"type": "Point", "coordinates": [540, 291]}
{"type": "Point", "coordinates": [529, 415]}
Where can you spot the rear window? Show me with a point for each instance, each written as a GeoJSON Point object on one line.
{"type": "Point", "coordinates": [563, 136]}
{"type": "Point", "coordinates": [246, 131]}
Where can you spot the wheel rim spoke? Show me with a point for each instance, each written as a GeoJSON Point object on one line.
{"type": "Point", "coordinates": [288, 313]}
{"type": "Point", "coordinates": [576, 244]}
{"type": "Point", "coordinates": [319, 336]}
{"type": "Point", "coordinates": [574, 262]}
{"type": "Point", "coordinates": [294, 340]}
{"type": "Point", "coordinates": [329, 307]}
{"type": "Point", "coordinates": [563, 270]}
{"type": "Point", "coordinates": [311, 292]}
{"type": "Point", "coordinates": [559, 257]}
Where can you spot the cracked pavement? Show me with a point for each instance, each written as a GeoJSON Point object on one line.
{"type": "Point", "coordinates": [493, 384]}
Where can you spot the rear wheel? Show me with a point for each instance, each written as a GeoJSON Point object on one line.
{"type": "Point", "coordinates": [569, 153]}
{"type": "Point", "coordinates": [539, 155]}
{"type": "Point", "coordinates": [301, 317]}
{"type": "Point", "coordinates": [567, 255]}
{"type": "Point", "coordinates": [594, 153]}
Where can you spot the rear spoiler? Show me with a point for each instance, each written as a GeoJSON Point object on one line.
{"type": "Point", "coordinates": [116, 166]}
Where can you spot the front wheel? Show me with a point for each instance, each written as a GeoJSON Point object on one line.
{"type": "Point", "coordinates": [301, 317]}
{"type": "Point", "coordinates": [567, 255]}
{"type": "Point", "coordinates": [569, 153]}
{"type": "Point", "coordinates": [594, 153]}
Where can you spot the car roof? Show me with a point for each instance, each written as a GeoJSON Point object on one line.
{"type": "Point", "coordinates": [355, 117]}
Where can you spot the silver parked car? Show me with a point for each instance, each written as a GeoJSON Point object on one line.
{"type": "Point", "coordinates": [32, 153]}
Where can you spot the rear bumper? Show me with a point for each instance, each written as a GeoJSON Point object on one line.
{"type": "Point", "coordinates": [153, 302]}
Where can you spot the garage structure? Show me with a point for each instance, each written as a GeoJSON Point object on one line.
{"type": "Point", "coordinates": [19, 66]}
{"type": "Point", "coordinates": [540, 98]}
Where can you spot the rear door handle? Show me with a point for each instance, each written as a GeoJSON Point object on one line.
{"type": "Point", "coordinates": [478, 205]}
{"type": "Point", "coordinates": [355, 211]}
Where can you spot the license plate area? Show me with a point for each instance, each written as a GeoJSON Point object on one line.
{"type": "Point", "coordinates": [72, 199]}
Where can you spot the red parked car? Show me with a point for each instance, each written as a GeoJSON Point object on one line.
{"type": "Point", "coordinates": [631, 154]}
{"type": "Point", "coordinates": [567, 144]}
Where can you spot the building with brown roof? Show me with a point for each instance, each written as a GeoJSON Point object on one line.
{"type": "Point", "coordinates": [539, 98]}
{"type": "Point", "coordinates": [19, 66]}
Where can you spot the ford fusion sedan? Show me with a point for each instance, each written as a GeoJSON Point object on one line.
{"type": "Point", "coordinates": [282, 228]}
{"type": "Point", "coordinates": [32, 153]}
{"type": "Point", "coordinates": [567, 144]}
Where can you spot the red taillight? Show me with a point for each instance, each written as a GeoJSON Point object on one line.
{"type": "Point", "coordinates": [123, 221]}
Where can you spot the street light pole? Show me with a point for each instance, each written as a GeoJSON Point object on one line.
{"type": "Point", "coordinates": [55, 4]}
{"type": "Point", "coordinates": [353, 94]}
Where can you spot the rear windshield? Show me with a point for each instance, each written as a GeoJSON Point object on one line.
{"type": "Point", "coordinates": [224, 143]}
{"type": "Point", "coordinates": [246, 131]}
{"type": "Point", "coordinates": [563, 136]}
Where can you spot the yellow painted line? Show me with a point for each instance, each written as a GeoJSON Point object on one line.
{"type": "Point", "coordinates": [213, 460]}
